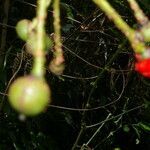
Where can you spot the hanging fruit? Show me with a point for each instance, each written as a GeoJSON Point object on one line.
{"type": "Point", "coordinates": [31, 45]}
{"type": "Point", "coordinates": [22, 29]}
{"type": "Point", "coordinates": [143, 67]}
{"type": "Point", "coordinates": [29, 95]}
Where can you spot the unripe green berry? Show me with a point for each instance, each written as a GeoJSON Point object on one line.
{"type": "Point", "coordinates": [29, 95]}
{"type": "Point", "coordinates": [145, 32]}
{"type": "Point", "coordinates": [22, 29]}
{"type": "Point", "coordinates": [31, 45]}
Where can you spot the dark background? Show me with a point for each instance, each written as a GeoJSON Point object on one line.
{"type": "Point", "coordinates": [99, 74]}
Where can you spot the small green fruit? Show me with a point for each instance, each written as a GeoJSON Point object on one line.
{"type": "Point", "coordinates": [29, 95]}
{"type": "Point", "coordinates": [22, 29]}
{"type": "Point", "coordinates": [31, 45]}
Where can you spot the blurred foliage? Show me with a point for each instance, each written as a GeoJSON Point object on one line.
{"type": "Point", "coordinates": [99, 73]}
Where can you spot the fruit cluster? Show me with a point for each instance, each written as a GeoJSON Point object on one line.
{"type": "Point", "coordinates": [27, 32]}
{"type": "Point", "coordinates": [30, 95]}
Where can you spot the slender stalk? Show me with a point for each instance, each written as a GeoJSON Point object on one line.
{"type": "Point", "coordinates": [78, 138]}
{"type": "Point", "coordinates": [57, 64]}
{"type": "Point", "coordinates": [98, 130]}
{"type": "Point", "coordinates": [39, 59]}
{"type": "Point", "coordinates": [57, 27]}
{"type": "Point", "coordinates": [142, 19]}
{"type": "Point", "coordinates": [138, 13]}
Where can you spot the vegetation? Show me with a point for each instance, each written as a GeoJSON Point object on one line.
{"type": "Point", "coordinates": [100, 101]}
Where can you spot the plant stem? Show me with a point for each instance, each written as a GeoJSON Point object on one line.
{"type": "Point", "coordinates": [57, 66]}
{"type": "Point", "coordinates": [78, 138]}
{"type": "Point", "coordinates": [39, 56]}
{"type": "Point", "coordinates": [98, 130]}
{"type": "Point", "coordinates": [57, 27]}
{"type": "Point", "coordinates": [138, 13]}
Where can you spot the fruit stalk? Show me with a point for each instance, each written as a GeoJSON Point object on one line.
{"type": "Point", "coordinates": [30, 95]}
{"type": "Point", "coordinates": [57, 35]}
{"type": "Point", "coordinates": [57, 64]}
{"type": "Point", "coordinates": [138, 13]}
{"type": "Point", "coordinates": [39, 55]}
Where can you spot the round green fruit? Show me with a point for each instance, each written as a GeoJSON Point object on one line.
{"type": "Point", "coordinates": [31, 45]}
{"type": "Point", "coordinates": [22, 29]}
{"type": "Point", "coordinates": [29, 95]}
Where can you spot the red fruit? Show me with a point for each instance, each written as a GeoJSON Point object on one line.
{"type": "Point", "coordinates": [143, 67]}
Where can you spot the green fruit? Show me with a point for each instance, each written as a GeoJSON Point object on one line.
{"type": "Point", "coordinates": [22, 29]}
{"type": "Point", "coordinates": [31, 44]}
{"type": "Point", "coordinates": [29, 95]}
